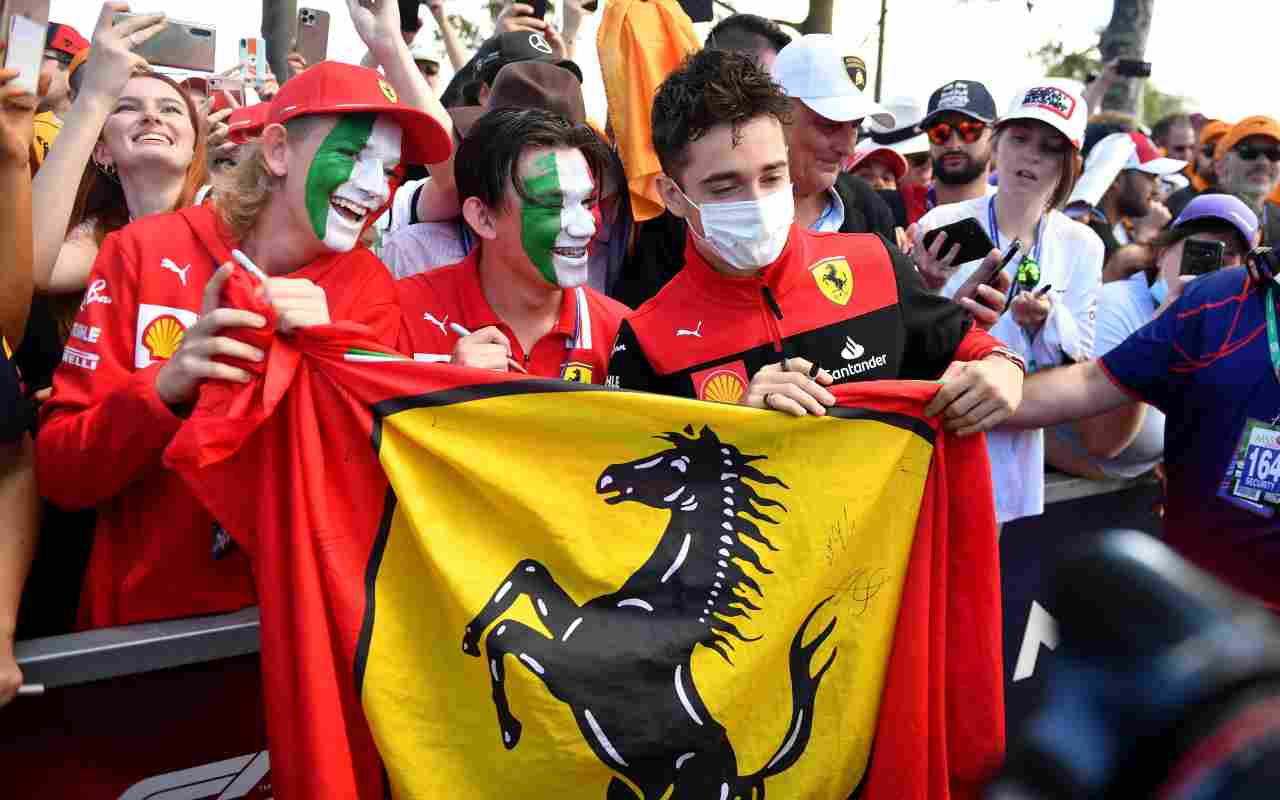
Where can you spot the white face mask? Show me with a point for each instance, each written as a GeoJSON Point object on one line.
{"type": "Point", "coordinates": [747, 234]}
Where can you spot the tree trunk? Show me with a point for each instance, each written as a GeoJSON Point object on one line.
{"type": "Point", "coordinates": [819, 19]}
{"type": "Point", "coordinates": [279, 18]}
{"type": "Point", "coordinates": [1126, 37]}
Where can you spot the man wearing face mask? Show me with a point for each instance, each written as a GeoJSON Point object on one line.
{"type": "Point", "coordinates": [767, 313]}
{"type": "Point", "coordinates": [519, 301]}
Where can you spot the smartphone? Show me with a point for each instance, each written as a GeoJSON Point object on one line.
{"type": "Point", "coordinates": [36, 11]}
{"type": "Point", "coordinates": [313, 35]}
{"type": "Point", "coordinates": [539, 8]}
{"type": "Point", "coordinates": [999, 266]}
{"type": "Point", "coordinates": [24, 44]}
{"type": "Point", "coordinates": [253, 59]}
{"type": "Point", "coordinates": [591, 5]}
{"type": "Point", "coordinates": [974, 242]}
{"type": "Point", "coordinates": [1133, 68]}
{"type": "Point", "coordinates": [1200, 256]}
{"type": "Point", "coordinates": [223, 91]}
{"type": "Point", "coordinates": [180, 44]}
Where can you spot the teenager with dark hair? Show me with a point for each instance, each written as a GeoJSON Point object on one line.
{"type": "Point", "coordinates": [764, 312]}
{"type": "Point", "coordinates": [528, 182]}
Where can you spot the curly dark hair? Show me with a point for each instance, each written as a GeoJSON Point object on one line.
{"type": "Point", "coordinates": [712, 87]}
{"type": "Point", "coordinates": [488, 158]}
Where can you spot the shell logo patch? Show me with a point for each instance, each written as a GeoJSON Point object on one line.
{"type": "Point", "coordinates": [160, 332]}
{"type": "Point", "coordinates": [576, 372]}
{"type": "Point", "coordinates": [834, 279]}
{"type": "Point", "coordinates": [726, 383]}
{"type": "Point", "coordinates": [387, 91]}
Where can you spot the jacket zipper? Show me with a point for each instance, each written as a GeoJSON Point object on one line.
{"type": "Point", "coordinates": [773, 316]}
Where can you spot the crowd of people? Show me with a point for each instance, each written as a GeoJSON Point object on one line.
{"type": "Point", "coordinates": [788, 240]}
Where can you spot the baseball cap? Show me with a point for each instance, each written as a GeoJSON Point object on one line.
{"type": "Point", "coordinates": [815, 70]}
{"type": "Point", "coordinates": [1212, 131]}
{"type": "Point", "coordinates": [1119, 151]}
{"type": "Point", "coordinates": [1225, 207]}
{"type": "Point", "coordinates": [64, 39]}
{"type": "Point", "coordinates": [246, 122]}
{"type": "Point", "coordinates": [1249, 126]}
{"type": "Point", "coordinates": [537, 84]}
{"type": "Point", "coordinates": [331, 87]}
{"type": "Point", "coordinates": [970, 98]}
{"type": "Point", "coordinates": [1055, 102]}
{"type": "Point", "coordinates": [887, 155]}
{"type": "Point", "coordinates": [421, 51]}
{"type": "Point", "coordinates": [908, 138]}
{"type": "Point", "coordinates": [514, 46]}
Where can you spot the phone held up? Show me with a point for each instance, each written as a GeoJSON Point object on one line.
{"type": "Point", "coordinates": [22, 26]}
{"type": "Point", "coordinates": [974, 242]}
{"type": "Point", "coordinates": [313, 35]}
{"type": "Point", "coordinates": [180, 44]}
{"type": "Point", "coordinates": [1133, 68]}
{"type": "Point", "coordinates": [1201, 256]}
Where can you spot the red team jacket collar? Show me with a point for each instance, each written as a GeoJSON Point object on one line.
{"type": "Point", "coordinates": [781, 276]}
{"type": "Point", "coordinates": [480, 314]}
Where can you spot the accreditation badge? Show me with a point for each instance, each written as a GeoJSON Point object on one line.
{"type": "Point", "coordinates": [1252, 481]}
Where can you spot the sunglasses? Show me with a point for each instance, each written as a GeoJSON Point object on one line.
{"type": "Point", "coordinates": [969, 131]}
{"type": "Point", "coordinates": [1249, 152]}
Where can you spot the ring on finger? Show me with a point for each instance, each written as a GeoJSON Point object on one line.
{"type": "Point", "coordinates": [767, 395]}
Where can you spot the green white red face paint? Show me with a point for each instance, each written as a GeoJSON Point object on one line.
{"type": "Point", "coordinates": [349, 177]}
{"type": "Point", "coordinates": [557, 219]}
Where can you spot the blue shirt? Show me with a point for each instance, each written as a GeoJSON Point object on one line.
{"type": "Point", "coordinates": [1205, 363]}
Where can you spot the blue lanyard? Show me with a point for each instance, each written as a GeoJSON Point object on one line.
{"type": "Point", "coordinates": [995, 230]}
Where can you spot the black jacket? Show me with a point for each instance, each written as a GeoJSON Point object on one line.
{"type": "Point", "coordinates": [658, 252]}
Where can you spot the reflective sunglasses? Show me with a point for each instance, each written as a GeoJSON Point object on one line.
{"type": "Point", "coordinates": [1249, 152]}
{"type": "Point", "coordinates": [969, 131]}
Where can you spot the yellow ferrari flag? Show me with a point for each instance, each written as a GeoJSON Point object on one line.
{"type": "Point", "coordinates": [638, 606]}
{"type": "Point", "coordinates": [476, 585]}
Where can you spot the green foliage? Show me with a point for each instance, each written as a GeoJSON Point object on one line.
{"type": "Point", "coordinates": [1079, 64]}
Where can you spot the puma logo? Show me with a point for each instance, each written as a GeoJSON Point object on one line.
{"type": "Point", "coordinates": [181, 272]}
{"type": "Point", "coordinates": [430, 318]}
{"type": "Point", "coordinates": [697, 331]}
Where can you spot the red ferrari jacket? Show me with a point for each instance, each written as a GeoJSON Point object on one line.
{"type": "Point", "coordinates": [576, 349]}
{"type": "Point", "coordinates": [104, 428]}
{"type": "Point", "coordinates": [845, 301]}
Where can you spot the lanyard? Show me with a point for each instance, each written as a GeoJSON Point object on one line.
{"type": "Point", "coordinates": [1273, 337]}
{"type": "Point", "coordinates": [995, 230]}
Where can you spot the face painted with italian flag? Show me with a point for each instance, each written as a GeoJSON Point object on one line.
{"type": "Point", "coordinates": [557, 220]}
{"type": "Point", "coordinates": [349, 177]}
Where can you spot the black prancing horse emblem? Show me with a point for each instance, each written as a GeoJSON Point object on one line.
{"type": "Point", "coordinates": [622, 661]}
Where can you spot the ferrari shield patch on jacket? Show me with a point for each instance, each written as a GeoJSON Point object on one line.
{"type": "Point", "coordinates": [834, 279]}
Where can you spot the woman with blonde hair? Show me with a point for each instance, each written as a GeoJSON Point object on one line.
{"type": "Point", "coordinates": [1056, 276]}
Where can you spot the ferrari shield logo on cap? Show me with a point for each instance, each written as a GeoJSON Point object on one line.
{"type": "Point", "coordinates": [834, 279]}
{"type": "Point", "coordinates": [857, 69]}
{"type": "Point", "coordinates": [576, 372]}
{"type": "Point", "coordinates": [387, 91]}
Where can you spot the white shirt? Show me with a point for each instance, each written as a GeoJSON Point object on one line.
{"type": "Point", "coordinates": [832, 219]}
{"type": "Point", "coordinates": [1070, 257]}
{"type": "Point", "coordinates": [424, 246]}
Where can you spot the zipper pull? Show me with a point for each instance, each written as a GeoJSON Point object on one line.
{"type": "Point", "coordinates": [772, 303]}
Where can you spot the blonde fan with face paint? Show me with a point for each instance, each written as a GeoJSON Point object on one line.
{"type": "Point", "coordinates": [153, 327]}
{"type": "Point", "coordinates": [519, 301]}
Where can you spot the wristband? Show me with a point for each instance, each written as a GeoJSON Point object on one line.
{"type": "Point", "coordinates": [1008, 355]}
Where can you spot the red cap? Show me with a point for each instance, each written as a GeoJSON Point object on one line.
{"type": "Point", "coordinates": [64, 39]}
{"type": "Point", "coordinates": [331, 87]}
{"type": "Point", "coordinates": [247, 122]}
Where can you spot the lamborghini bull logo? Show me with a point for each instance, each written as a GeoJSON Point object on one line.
{"type": "Point", "coordinates": [633, 649]}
